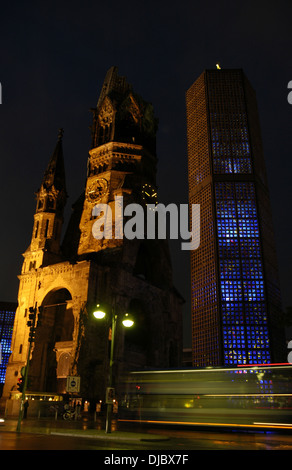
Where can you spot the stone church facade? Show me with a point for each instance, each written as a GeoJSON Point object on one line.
{"type": "Point", "coordinates": [68, 278]}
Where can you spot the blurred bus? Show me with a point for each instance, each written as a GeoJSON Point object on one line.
{"type": "Point", "coordinates": [248, 396]}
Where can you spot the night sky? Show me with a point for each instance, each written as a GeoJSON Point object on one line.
{"type": "Point", "coordinates": [54, 57]}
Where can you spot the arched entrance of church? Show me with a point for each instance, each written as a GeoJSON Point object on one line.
{"type": "Point", "coordinates": [51, 357]}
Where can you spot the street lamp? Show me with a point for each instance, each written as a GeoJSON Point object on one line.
{"type": "Point", "coordinates": [100, 313]}
{"type": "Point", "coordinates": [128, 321]}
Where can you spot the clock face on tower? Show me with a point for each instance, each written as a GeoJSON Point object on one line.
{"type": "Point", "coordinates": [149, 194]}
{"type": "Point", "coordinates": [97, 189]}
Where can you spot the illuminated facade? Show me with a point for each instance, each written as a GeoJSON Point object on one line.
{"type": "Point", "coordinates": [68, 277]}
{"type": "Point", "coordinates": [234, 281]}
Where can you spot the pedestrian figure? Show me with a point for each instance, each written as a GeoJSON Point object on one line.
{"type": "Point", "coordinates": [25, 406]}
{"type": "Point", "coordinates": [78, 409]}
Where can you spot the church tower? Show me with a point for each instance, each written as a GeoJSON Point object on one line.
{"type": "Point", "coordinates": [48, 219]}
{"type": "Point", "coordinates": [122, 161]}
{"type": "Point", "coordinates": [68, 279]}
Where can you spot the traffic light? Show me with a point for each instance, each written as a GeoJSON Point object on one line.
{"type": "Point", "coordinates": [31, 336]}
{"type": "Point", "coordinates": [20, 384]}
{"type": "Point", "coordinates": [34, 314]}
{"type": "Point", "coordinates": [31, 316]}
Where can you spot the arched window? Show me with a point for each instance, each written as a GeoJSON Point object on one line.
{"type": "Point", "coordinates": [64, 363]}
{"type": "Point", "coordinates": [36, 229]}
{"type": "Point", "coordinates": [46, 228]}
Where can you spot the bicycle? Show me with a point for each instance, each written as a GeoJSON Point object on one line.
{"type": "Point", "coordinates": [69, 414]}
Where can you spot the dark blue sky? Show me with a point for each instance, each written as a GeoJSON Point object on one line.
{"type": "Point", "coordinates": [54, 57]}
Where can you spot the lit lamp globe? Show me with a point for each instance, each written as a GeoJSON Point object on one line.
{"type": "Point", "coordinates": [99, 313]}
{"type": "Point", "coordinates": [128, 321]}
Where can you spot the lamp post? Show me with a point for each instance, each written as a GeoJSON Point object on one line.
{"type": "Point", "coordinates": [127, 321]}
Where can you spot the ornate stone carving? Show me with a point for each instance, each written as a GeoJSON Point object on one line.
{"type": "Point", "coordinates": [106, 114]}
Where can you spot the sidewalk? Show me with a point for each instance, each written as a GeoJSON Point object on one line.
{"type": "Point", "coordinates": [81, 428]}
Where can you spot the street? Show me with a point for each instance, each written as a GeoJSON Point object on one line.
{"type": "Point", "coordinates": [179, 441]}
{"type": "Point", "coordinates": [88, 435]}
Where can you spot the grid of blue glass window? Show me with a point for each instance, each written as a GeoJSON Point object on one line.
{"type": "Point", "coordinates": [230, 145]}
{"type": "Point", "coordinates": [244, 317]}
{"type": "Point", "coordinates": [6, 329]}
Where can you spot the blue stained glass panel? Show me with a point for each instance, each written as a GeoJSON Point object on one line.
{"type": "Point", "coordinates": [253, 290]}
{"type": "Point", "coordinates": [242, 165]}
{"type": "Point", "coordinates": [6, 329]}
{"type": "Point", "coordinates": [231, 290]}
{"type": "Point", "coordinates": [244, 317]}
{"type": "Point", "coordinates": [226, 209]}
{"type": "Point", "coordinates": [257, 337]}
{"type": "Point", "coordinates": [250, 248]}
{"type": "Point", "coordinates": [256, 313]}
{"type": "Point", "coordinates": [252, 268]}
{"type": "Point", "coordinates": [228, 248]}
{"type": "Point", "coordinates": [232, 313]}
{"type": "Point", "coordinates": [248, 228]}
{"type": "Point", "coordinates": [246, 209]}
{"type": "Point", "coordinates": [230, 269]}
{"type": "Point", "coordinates": [227, 228]}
